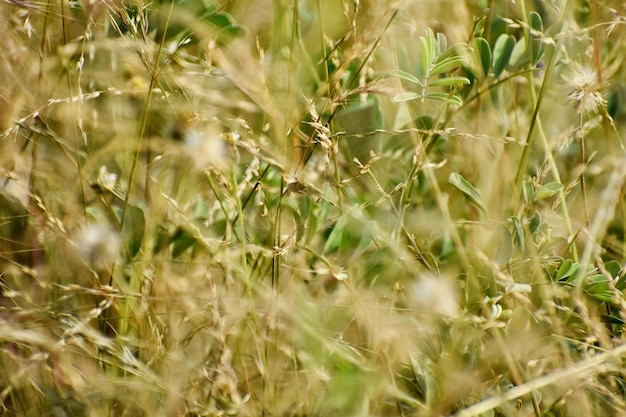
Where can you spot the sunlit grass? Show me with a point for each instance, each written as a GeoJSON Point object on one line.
{"type": "Point", "coordinates": [312, 208]}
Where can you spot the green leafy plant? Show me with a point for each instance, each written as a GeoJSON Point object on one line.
{"type": "Point", "coordinates": [438, 62]}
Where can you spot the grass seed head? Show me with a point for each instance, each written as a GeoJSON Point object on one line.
{"type": "Point", "coordinates": [585, 89]}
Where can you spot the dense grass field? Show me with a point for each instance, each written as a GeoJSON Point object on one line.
{"type": "Point", "coordinates": [312, 208]}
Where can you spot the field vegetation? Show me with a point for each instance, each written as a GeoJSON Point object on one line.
{"type": "Point", "coordinates": [312, 208]}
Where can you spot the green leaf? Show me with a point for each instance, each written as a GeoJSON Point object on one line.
{"type": "Point", "coordinates": [502, 53]}
{"type": "Point", "coordinates": [200, 209]}
{"type": "Point", "coordinates": [316, 219]}
{"type": "Point", "coordinates": [442, 43]}
{"type": "Point", "coordinates": [519, 56]}
{"type": "Point", "coordinates": [448, 64]}
{"type": "Point", "coordinates": [93, 213]}
{"type": "Point", "coordinates": [567, 269]}
{"type": "Point", "coordinates": [428, 50]}
{"type": "Point", "coordinates": [612, 319]}
{"type": "Point", "coordinates": [348, 236]}
{"type": "Point", "coordinates": [226, 23]}
{"type": "Point", "coordinates": [425, 122]}
{"type": "Point", "coordinates": [336, 238]}
{"type": "Point", "coordinates": [405, 96]}
{"type": "Point", "coordinates": [407, 77]}
{"type": "Point", "coordinates": [134, 229]}
{"type": "Point", "coordinates": [468, 189]}
{"type": "Point", "coordinates": [449, 81]}
{"type": "Point", "coordinates": [621, 283]}
{"type": "Point", "coordinates": [359, 118]}
{"type": "Point", "coordinates": [221, 25]}
{"type": "Point", "coordinates": [181, 241]}
{"type": "Point", "coordinates": [382, 266]}
{"type": "Point", "coordinates": [527, 191]}
{"type": "Point", "coordinates": [604, 297]}
{"type": "Point", "coordinates": [534, 223]}
{"type": "Point", "coordinates": [445, 97]}
{"type": "Point", "coordinates": [613, 268]}
{"type": "Point", "coordinates": [614, 102]}
{"type": "Point", "coordinates": [599, 288]}
{"type": "Point", "coordinates": [293, 207]}
{"type": "Point", "coordinates": [535, 22]}
{"type": "Point", "coordinates": [519, 231]}
{"type": "Point", "coordinates": [484, 52]}
{"type": "Point", "coordinates": [447, 246]}
{"type": "Point", "coordinates": [457, 50]}
{"type": "Point", "coordinates": [365, 239]}
{"type": "Point", "coordinates": [161, 239]}
{"type": "Point", "coordinates": [548, 190]}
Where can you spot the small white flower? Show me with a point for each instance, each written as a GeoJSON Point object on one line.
{"type": "Point", "coordinates": [98, 245]}
{"type": "Point", "coordinates": [206, 148]}
{"type": "Point", "coordinates": [435, 295]}
{"type": "Point", "coordinates": [106, 179]}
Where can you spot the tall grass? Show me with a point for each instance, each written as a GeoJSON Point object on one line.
{"type": "Point", "coordinates": [312, 208]}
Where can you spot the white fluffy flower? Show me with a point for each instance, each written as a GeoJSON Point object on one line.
{"type": "Point", "coordinates": [98, 245]}
{"type": "Point", "coordinates": [585, 89]}
{"type": "Point", "coordinates": [435, 295]}
{"type": "Point", "coordinates": [206, 148]}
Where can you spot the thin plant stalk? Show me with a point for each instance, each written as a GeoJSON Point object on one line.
{"type": "Point", "coordinates": [536, 101]}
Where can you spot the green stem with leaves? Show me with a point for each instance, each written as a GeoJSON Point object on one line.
{"type": "Point", "coordinates": [535, 123]}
